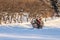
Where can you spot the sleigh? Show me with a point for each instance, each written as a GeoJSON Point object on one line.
{"type": "Point", "coordinates": [40, 25]}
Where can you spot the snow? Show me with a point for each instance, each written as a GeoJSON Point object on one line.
{"type": "Point", "coordinates": [24, 31]}
{"type": "Point", "coordinates": [53, 23]}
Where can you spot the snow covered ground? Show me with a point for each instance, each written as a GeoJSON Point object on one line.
{"type": "Point", "coordinates": [24, 31]}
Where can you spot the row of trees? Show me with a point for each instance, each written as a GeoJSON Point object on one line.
{"type": "Point", "coordinates": [33, 7]}
{"type": "Point", "coordinates": [6, 17]}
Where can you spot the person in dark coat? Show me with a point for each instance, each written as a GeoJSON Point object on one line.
{"type": "Point", "coordinates": [39, 23]}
